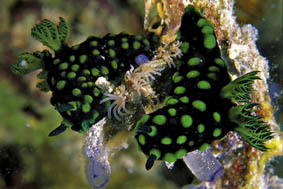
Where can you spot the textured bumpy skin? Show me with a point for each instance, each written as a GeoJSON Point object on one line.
{"type": "Point", "coordinates": [197, 109]}
{"type": "Point", "coordinates": [71, 74]}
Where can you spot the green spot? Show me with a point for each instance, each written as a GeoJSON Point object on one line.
{"type": "Point", "coordinates": [159, 119]}
{"type": "Point", "coordinates": [104, 70]}
{"type": "Point", "coordinates": [201, 22]}
{"type": "Point", "coordinates": [63, 66]}
{"type": "Point", "coordinates": [199, 105]}
{"type": "Point", "coordinates": [184, 99]}
{"type": "Point", "coordinates": [204, 147]}
{"type": "Point", "coordinates": [186, 121]}
{"type": "Point", "coordinates": [171, 101]}
{"type": "Point", "coordinates": [88, 99]}
{"type": "Point", "coordinates": [76, 92]}
{"type": "Point", "coordinates": [212, 76]}
{"type": "Point", "coordinates": [57, 61]}
{"type": "Point", "coordinates": [172, 112]}
{"type": "Point", "coordinates": [86, 108]}
{"type": "Point", "coordinates": [136, 45]}
{"type": "Point", "coordinates": [170, 157]}
{"type": "Point", "coordinates": [96, 92]}
{"type": "Point", "coordinates": [216, 132]}
{"type": "Point", "coordinates": [213, 69]}
{"type": "Point", "coordinates": [209, 41]}
{"type": "Point", "coordinates": [153, 131]}
{"type": "Point", "coordinates": [125, 45]}
{"type": "Point", "coordinates": [114, 64]}
{"type": "Point", "coordinates": [60, 84]}
{"type": "Point", "coordinates": [95, 72]}
{"type": "Point", "coordinates": [95, 115]}
{"type": "Point", "coordinates": [90, 84]}
{"type": "Point", "coordinates": [194, 61]}
{"type": "Point", "coordinates": [180, 153]}
{"type": "Point", "coordinates": [177, 78]}
{"type": "Point", "coordinates": [71, 75]}
{"type": "Point", "coordinates": [201, 128]}
{"type": "Point", "coordinates": [83, 59]}
{"type": "Point", "coordinates": [179, 90]}
{"type": "Point", "coordinates": [86, 72]}
{"type": "Point", "coordinates": [138, 37]}
{"type": "Point", "coordinates": [75, 67]}
{"type": "Point", "coordinates": [112, 53]}
{"type": "Point", "coordinates": [166, 141]}
{"type": "Point", "coordinates": [84, 85]}
{"type": "Point", "coordinates": [95, 52]}
{"type": "Point", "coordinates": [141, 139]}
{"type": "Point", "coordinates": [124, 39]}
{"type": "Point", "coordinates": [63, 74]}
{"type": "Point", "coordinates": [220, 62]}
{"type": "Point", "coordinates": [185, 47]}
{"type": "Point", "coordinates": [82, 78]}
{"type": "Point", "coordinates": [207, 30]}
{"type": "Point", "coordinates": [156, 153]}
{"type": "Point", "coordinates": [111, 42]}
{"type": "Point", "coordinates": [94, 43]}
{"type": "Point", "coordinates": [146, 42]}
{"type": "Point", "coordinates": [192, 74]}
{"type": "Point", "coordinates": [181, 139]}
{"type": "Point", "coordinates": [76, 47]}
{"type": "Point", "coordinates": [204, 85]}
{"type": "Point", "coordinates": [216, 117]}
{"type": "Point", "coordinates": [72, 58]}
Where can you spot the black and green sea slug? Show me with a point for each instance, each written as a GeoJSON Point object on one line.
{"type": "Point", "coordinates": [201, 103]}
{"type": "Point", "coordinates": [71, 74]}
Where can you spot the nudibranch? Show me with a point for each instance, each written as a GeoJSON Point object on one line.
{"type": "Point", "coordinates": [201, 103]}
{"type": "Point", "coordinates": [73, 72]}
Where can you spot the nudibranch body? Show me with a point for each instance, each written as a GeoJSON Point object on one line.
{"type": "Point", "coordinates": [72, 73]}
{"type": "Point", "coordinates": [202, 104]}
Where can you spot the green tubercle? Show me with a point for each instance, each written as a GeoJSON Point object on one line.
{"type": "Point", "coordinates": [159, 119]}
{"type": "Point", "coordinates": [186, 121]}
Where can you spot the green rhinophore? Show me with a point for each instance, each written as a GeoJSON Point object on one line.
{"type": "Point", "coordinates": [153, 131]}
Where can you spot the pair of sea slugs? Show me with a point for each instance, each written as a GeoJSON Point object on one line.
{"type": "Point", "coordinates": [202, 102]}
